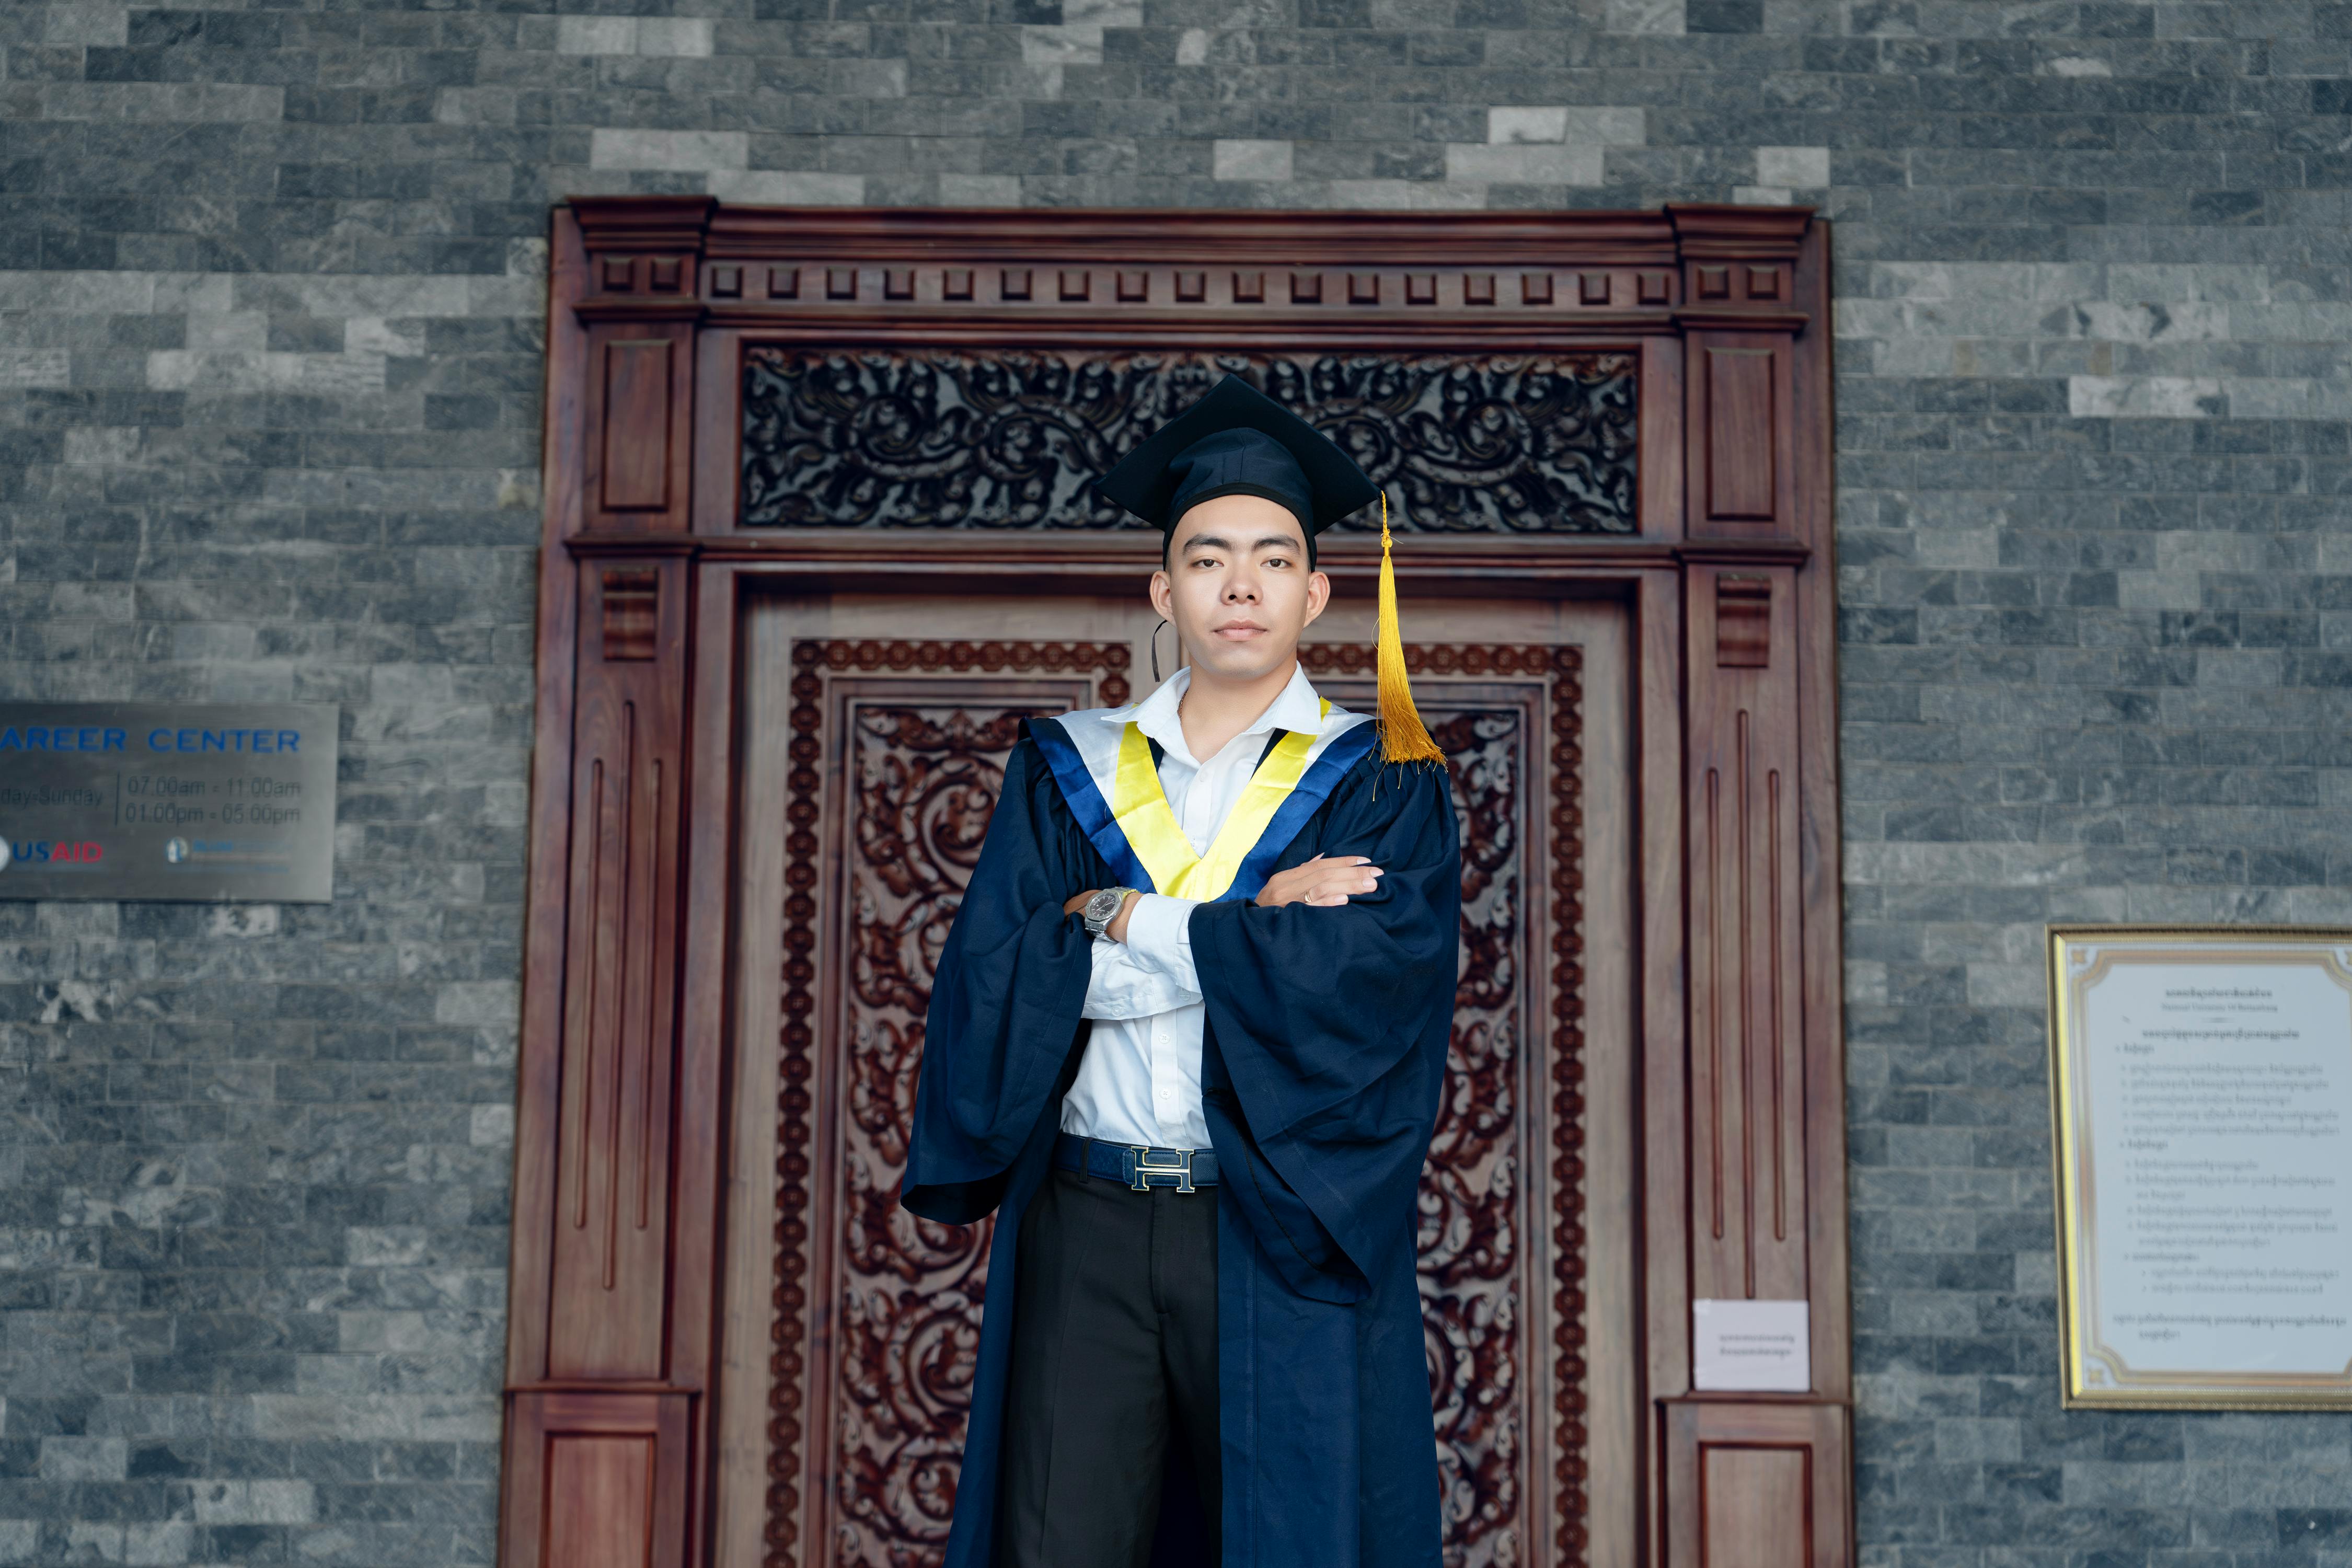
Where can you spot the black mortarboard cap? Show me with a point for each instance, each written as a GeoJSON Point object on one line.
{"type": "Point", "coordinates": [1237, 441]}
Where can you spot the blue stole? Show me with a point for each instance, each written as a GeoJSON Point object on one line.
{"type": "Point", "coordinates": [1103, 762]}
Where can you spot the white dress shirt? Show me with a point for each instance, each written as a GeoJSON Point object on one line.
{"type": "Point", "coordinates": [1139, 1082]}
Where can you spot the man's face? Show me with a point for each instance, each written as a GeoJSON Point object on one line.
{"type": "Point", "coordinates": [1237, 586]}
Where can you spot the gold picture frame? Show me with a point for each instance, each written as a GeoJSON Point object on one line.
{"type": "Point", "coordinates": [2203, 1075]}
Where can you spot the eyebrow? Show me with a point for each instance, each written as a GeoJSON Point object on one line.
{"type": "Point", "coordinates": [1218, 542]}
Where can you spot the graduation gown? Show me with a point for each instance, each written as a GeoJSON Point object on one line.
{"type": "Point", "coordinates": [1323, 1057]}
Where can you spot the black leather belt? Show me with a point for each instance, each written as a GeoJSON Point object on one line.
{"type": "Point", "coordinates": [1135, 1165]}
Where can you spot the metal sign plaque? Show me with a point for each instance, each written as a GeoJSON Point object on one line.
{"type": "Point", "coordinates": [210, 801]}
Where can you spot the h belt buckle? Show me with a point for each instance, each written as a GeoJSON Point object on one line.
{"type": "Point", "coordinates": [1145, 1168]}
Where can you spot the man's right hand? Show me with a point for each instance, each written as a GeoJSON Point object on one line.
{"type": "Point", "coordinates": [1321, 881]}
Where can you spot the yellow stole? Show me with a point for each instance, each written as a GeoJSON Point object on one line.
{"type": "Point", "coordinates": [1141, 808]}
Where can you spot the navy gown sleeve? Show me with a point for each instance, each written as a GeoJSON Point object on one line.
{"type": "Point", "coordinates": [1005, 1008]}
{"type": "Point", "coordinates": [1328, 1029]}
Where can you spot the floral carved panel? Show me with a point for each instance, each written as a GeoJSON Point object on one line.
{"type": "Point", "coordinates": [1502, 1237]}
{"type": "Point", "coordinates": [882, 1400]}
{"type": "Point", "coordinates": [1461, 444]}
{"type": "Point", "coordinates": [869, 1398]}
{"type": "Point", "coordinates": [1472, 1242]}
{"type": "Point", "coordinates": [925, 777]}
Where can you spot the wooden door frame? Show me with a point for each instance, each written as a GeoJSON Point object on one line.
{"type": "Point", "coordinates": [643, 572]}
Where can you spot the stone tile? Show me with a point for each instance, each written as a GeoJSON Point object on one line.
{"type": "Point", "coordinates": [1794, 168]}
{"type": "Point", "coordinates": [1523, 164]}
{"type": "Point", "coordinates": [2144, 396]}
{"type": "Point", "coordinates": [596, 35]}
{"type": "Point", "coordinates": [780, 188]}
{"type": "Point", "coordinates": [691, 151]}
{"type": "Point", "coordinates": [1660, 16]}
{"type": "Point", "coordinates": [254, 1502]}
{"type": "Point", "coordinates": [980, 190]}
{"type": "Point", "coordinates": [1246, 160]}
{"type": "Point", "coordinates": [686, 37]}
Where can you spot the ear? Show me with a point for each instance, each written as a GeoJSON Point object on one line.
{"type": "Point", "coordinates": [1163, 596]}
{"type": "Point", "coordinates": [1318, 594]}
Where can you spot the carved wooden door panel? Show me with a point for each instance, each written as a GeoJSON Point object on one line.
{"type": "Point", "coordinates": [1502, 1243]}
{"type": "Point", "coordinates": [860, 420]}
{"type": "Point", "coordinates": [897, 751]}
{"type": "Point", "coordinates": [897, 757]}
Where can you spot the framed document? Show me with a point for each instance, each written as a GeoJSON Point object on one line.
{"type": "Point", "coordinates": [2201, 1116]}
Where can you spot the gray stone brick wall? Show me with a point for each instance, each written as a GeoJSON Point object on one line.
{"type": "Point", "coordinates": [270, 290]}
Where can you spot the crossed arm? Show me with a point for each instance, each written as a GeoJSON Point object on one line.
{"type": "Point", "coordinates": [1319, 881]}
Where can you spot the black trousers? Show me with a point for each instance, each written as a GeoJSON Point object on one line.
{"type": "Point", "coordinates": [1114, 1361]}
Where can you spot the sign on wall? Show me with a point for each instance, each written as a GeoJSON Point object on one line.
{"type": "Point", "coordinates": [2201, 1093]}
{"type": "Point", "coordinates": [1738, 1344]}
{"type": "Point", "coordinates": [169, 801]}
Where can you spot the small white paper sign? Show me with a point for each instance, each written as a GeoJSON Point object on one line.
{"type": "Point", "coordinates": [1759, 1346]}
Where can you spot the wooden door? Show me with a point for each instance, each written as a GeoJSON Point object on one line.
{"type": "Point", "coordinates": [873, 762]}
{"type": "Point", "coordinates": [756, 416]}
{"type": "Point", "coordinates": [881, 759]}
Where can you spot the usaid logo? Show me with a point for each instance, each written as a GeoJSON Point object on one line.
{"type": "Point", "coordinates": [34, 852]}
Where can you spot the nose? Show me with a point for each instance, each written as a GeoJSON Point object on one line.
{"type": "Point", "coordinates": [1241, 588]}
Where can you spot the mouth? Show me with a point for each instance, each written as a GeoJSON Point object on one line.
{"type": "Point", "coordinates": [1239, 631]}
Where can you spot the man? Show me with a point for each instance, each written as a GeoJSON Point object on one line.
{"type": "Point", "coordinates": [1187, 1039]}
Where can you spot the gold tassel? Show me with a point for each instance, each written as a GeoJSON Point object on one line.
{"type": "Point", "coordinates": [1404, 736]}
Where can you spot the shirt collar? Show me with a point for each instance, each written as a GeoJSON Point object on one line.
{"type": "Point", "coordinates": [1297, 706]}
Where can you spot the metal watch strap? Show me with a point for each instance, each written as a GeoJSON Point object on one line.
{"type": "Point", "coordinates": [1116, 897]}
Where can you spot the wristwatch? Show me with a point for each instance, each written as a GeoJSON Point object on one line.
{"type": "Point", "coordinates": [1102, 908]}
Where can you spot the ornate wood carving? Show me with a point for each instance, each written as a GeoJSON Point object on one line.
{"type": "Point", "coordinates": [1571, 1469]}
{"type": "Point", "coordinates": [927, 777]}
{"type": "Point", "coordinates": [926, 772]}
{"type": "Point", "coordinates": [909, 1304]}
{"type": "Point", "coordinates": [1472, 1242]}
{"type": "Point", "coordinates": [1477, 1267]}
{"type": "Point", "coordinates": [1463, 444]}
{"type": "Point", "coordinates": [922, 776]}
